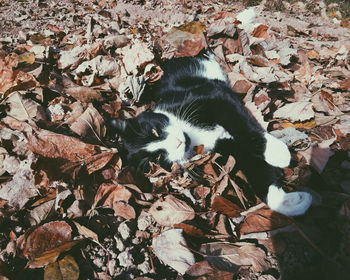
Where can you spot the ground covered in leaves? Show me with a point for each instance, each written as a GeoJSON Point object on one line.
{"type": "Point", "coordinates": [71, 209]}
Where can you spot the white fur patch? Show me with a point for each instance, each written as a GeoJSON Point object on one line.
{"type": "Point", "coordinates": [289, 204]}
{"type": "Point", "coordinates": [174, 144]}
{"type": "Point", "coordinates": [276, 152]}
{"type": "Point", "coordinates": [212, 69]}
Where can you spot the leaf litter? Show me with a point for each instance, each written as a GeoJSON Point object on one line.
{"type": "Point", "coordinates": [62, 79]}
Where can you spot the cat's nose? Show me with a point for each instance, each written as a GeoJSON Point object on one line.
{"type": "Point", "coordinates": [178, 143]}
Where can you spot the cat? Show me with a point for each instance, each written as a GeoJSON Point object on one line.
{"type": "Point", "coordinates": [197, 106]}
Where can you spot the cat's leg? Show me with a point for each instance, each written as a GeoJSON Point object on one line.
{"type": "Point", "coordinates": [275, 151]}
{"type": "Point", "coordinates": [289, 204]}
{"type": "Point", "coordinates": [259, 153]}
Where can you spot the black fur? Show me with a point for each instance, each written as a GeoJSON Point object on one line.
{"type": "Point", "coordinates": [214, 102]}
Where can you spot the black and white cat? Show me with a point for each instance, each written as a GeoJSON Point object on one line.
{"type": "Point", "coordinates": [196, 105]}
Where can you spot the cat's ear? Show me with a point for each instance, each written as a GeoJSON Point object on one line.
{"type": "Point", "coordinates": [116, 127]}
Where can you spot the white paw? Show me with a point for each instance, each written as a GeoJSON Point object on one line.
{"type": "Point", "coordinates": [276, 152]}
{"type": "Point", "coordinates": [289, 204]}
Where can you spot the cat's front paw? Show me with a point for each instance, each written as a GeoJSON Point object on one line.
{"type": "Point", "coordinates": [276, 152]}
{"type": "Point", "coordinates": [289, 204]}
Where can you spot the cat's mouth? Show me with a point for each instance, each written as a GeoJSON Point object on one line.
{"type": "Point", "coordinates": [187, 142]}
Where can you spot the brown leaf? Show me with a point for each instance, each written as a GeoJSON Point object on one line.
{"type": "Point", "coordinates": [225, 206]}
{"type": "Point", "coordinates": [86, 232]}
{"type": "Point", "coordinates": [260, 31]}
{"type": "Point", "coordinates": [20, 189]}
{"type": "Point", "coordinates": [297, 111]}
{"type": "Point", "coordinates": [24, 109]}
{"type": "Point", "coordinates": [239, 83]}
{"type": "Point", "coordinates": [345, 84]}
{"type": "Point", "coordinates": [258, 60]}
{"type": "Point", "coordinates": [12, 80]}
{"type": "Point", "coordinates": [65, 148]}
{"type": "Point", "coordinates": [230, 256]}
{"type": "Point", "coordinates": [190, 230]}
{"type": "Point", "coordinates": [137, 56]}
{"type": "Point", "coordinates": [81, 93]}
{"type": "Point", "coordinates": [317, 156]}
{"type": "Point", "coordinates": [170, 210]}
{"type": "Point", "coordinates": [204, 271]}
{"type": "Point", "coordinates": [65, 269]}
{"type": "Point", "coordinates": [44, 244]}
{"type": "Point", "coordinates": [170, 247]}
{"type": "Point", "coordinates": [263, 219]}
{"type": "Point", "coordinates": [90, 124]}
{"type": "Point", "coordinates": [124, 210]}
{"type": "Point", "coordinates": [107, 194]}
{"type": "Point", "coordinates": [116, 198]}
{"type": "Point", "coordinates": [188, 39]}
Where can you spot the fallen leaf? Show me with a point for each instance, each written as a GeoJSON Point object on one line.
{"type": "Point", "coordinates": [170, 210]}
{"type": "Point", "coordinates": [170, 248]}
{"type": "Point", "coordinates": [21, 188]}
{"type": "Point", "coordinates": [86, 232]}
{"type": "Point", "coordinates": [136, 57]}
{"type": "Point", "coordinates": [188, 39]}
{"type": "Point", "coordinates": [68, 149]}
{"type": "Point", "coordinates": [263, 219]}
{"type": "Point", "coordinates": [204, 271]}
{"type": "Point", "coordinates": [261, 31]}
{"type": "Point", "coordinates": [292, 138]}
{"type": "Point", "coordinates": [64, 269]}
{"type": "Point", "coordinates": [12, 80]}
{"type": "Point", "coordinates": [24, 109]}
{"type": "Point", "coordinates": [317, 156]}
{"type": "Point", "coordinates": [225, 206]}
{"type": "Point", "coordinates": [231, 256]}
{"type": "Point", "coordinates": [190, 229]}
{"type": "Point", "coordinates": [90, 125]}
{"type": "Point", "coordinates": [297, 111]}
{"type": "Point", "coordinates": [81, 93]}
{"type": "Point", "coordinates": [44, 244]}
{"type": "Point", "coordinates": [256, 113]}
{"type": "Point", "coordinates": [116, 198]}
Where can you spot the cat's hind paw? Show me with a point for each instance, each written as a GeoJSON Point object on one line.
{"type": "Point", "coordinates": [289, 204]}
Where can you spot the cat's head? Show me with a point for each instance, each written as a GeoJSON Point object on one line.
{"type": "Point", "coordinates": [152, 137]}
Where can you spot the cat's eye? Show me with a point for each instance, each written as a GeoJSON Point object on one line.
{"type": "Point", "coordinates": [155, 132]}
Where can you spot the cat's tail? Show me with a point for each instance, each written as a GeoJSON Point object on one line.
{"type": "Point", "coordinates": [289, 204]}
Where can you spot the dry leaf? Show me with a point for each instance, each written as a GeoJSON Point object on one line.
{"type": "Point", "coordinates": [90, 125]}
{"type": "Point", "coordinates": [12, 80]}
{"type": "Point", "coordinates": [66, 148]}
{"type": "Point", "coordinates": [81, 93]}
{"type": "Point", "coordinates": [263, 219]}
{"type": "Point", "coordinates": [170, 248]}
{"type": "Point", "coordinates": [44, 244]}
{"type": "Point", "coordinates": [317, 156]}
{"type": "Point", "coordinates": [136, 57]}
{"type": "Point", "coordinates": [256, 113]}
{"type": "Point", "coordinates": [170, 210]}
{"type": "Point", "coordinates": [65, 269]}
{"type": "Point", "coordinates": [261, 31]}
{"type": "Point", "coordinates": [297, 111]}
{"type": "Point", "coordinates": [231, 256]}
{"type": "Point", "coordinates": [87, 233]}
{"type": "Point", "coordinates": [116, 198]}
{"type": "Point", "coordinates": [24, 109]}
{"type": "Point", "coordinates": [225, 206]}
{"type": "Point", "coordinates": [21, 188]}
{"type": "Point", "coordinates": [203, 271]}
{"type": "Point", "coordinates": [188, 39]}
